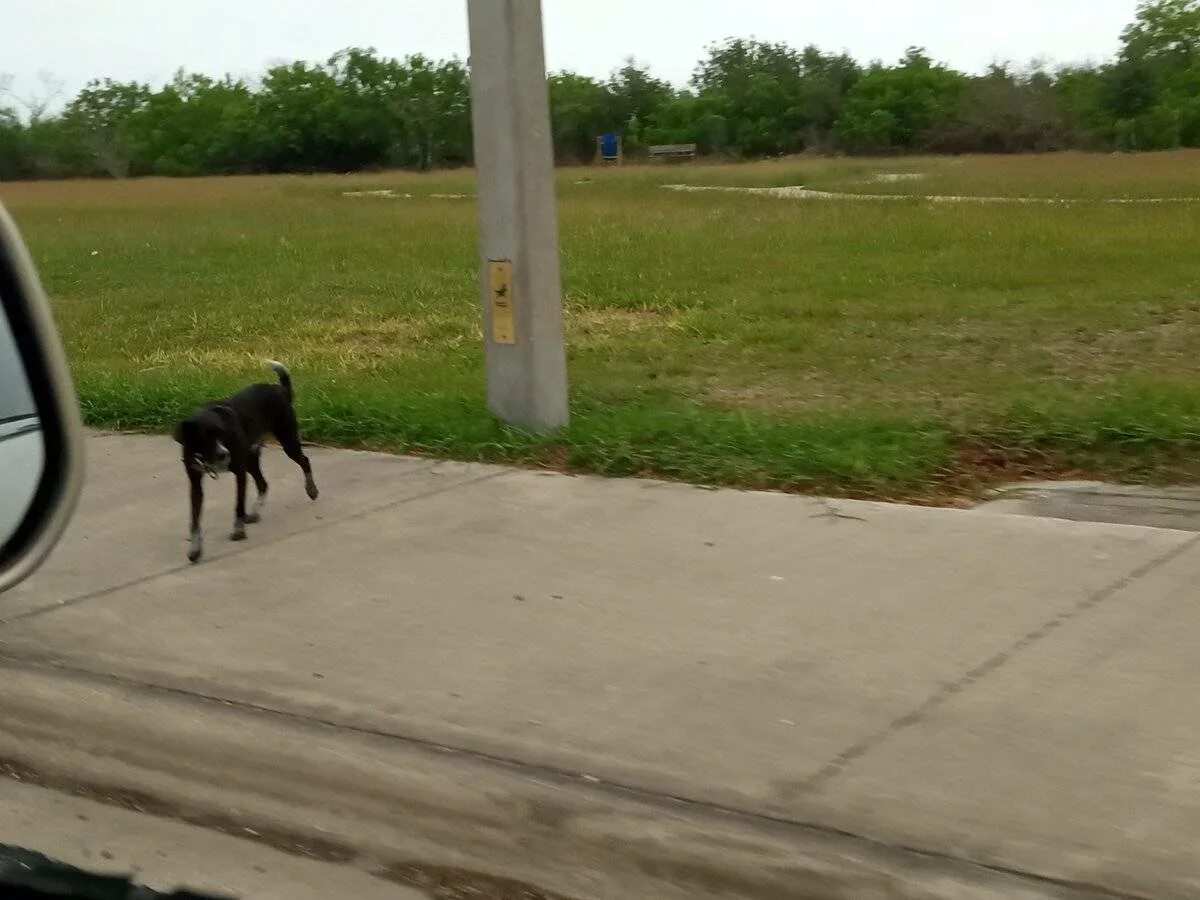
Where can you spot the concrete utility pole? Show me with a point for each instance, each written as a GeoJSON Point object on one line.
{"type": "Point", "coordinates": [518, 232]}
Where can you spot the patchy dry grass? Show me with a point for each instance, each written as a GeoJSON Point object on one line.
{"type": "Point", "coordinates": [839, 346]}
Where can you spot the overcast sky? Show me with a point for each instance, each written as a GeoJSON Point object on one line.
{"type": "Point", "coordinates": [146, 40]}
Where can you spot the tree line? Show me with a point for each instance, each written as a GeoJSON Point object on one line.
{"type": "Point", "coordinates": [746, 98]}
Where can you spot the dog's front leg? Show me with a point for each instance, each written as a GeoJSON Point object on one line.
{"type": "Point", "coordinates": [239, 513]}
{"type": "Point", "coordinates": [196, 548]}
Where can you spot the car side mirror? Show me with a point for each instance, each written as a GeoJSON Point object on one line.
{"type": "Point", "coordinates": [41, 437]}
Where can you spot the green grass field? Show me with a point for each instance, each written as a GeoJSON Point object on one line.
{"type": "Point", "coordinates": [888, 349]}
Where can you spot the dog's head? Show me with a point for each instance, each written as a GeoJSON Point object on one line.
{"type": "Point", "coordinates": [204, 438]}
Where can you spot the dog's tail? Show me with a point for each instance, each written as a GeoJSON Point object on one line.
{"type": "Point", "coordinates": [285, 377]}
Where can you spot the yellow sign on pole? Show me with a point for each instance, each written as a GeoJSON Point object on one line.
{"type": "Point", "coordinates": [500, 280]}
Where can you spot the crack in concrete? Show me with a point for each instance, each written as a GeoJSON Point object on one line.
{"type": "Point", "coordinates": [833, 512]}
{"type": "Point", "coordinates": [248, 547]}
{"type": "Point", "coordinates": [856, 751]}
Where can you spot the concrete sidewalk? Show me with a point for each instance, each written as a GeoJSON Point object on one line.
{"type": "Point", "coordinates": [624, 688]}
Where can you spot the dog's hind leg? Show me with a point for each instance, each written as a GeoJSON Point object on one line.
{"type": "Point", "coordinates": [254, 466]}
{"type": "Point", "coordinates": [239, 513]}
{"type": "Point", "coordinates": [196, 547]}
{"type": "Point", "coordinates": [289, 439]}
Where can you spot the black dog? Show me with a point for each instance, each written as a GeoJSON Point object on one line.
{"type": "Point", "coordinates": [227, 435]}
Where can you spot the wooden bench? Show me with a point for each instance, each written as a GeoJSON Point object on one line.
{"type": "Point", "coordinates": [672, 151]}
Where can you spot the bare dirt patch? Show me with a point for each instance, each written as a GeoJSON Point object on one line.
{"type": "Point", "coordinates": [357, 342]}
{"type": "Point", "coordinates": [589, 325]}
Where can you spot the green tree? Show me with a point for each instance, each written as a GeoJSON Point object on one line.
{"type": "Point", "coordinates": [900, 107]}
{"type": "Point", "coordinates": [195, 125]}
{"type": "Point", "coordinates": [752, 98]}
{"type": "Point", "coordinates": [432, 101]}
{"type": "Point", "coordinates": [1006, 112]}
{"type": "Point", "coordinates": [753, 88]}
{"type": "Point", "coordinates": [13, 159]}
{"type": "Point", "coordinates": [409, 112]}
{"type": "Point", "coordinates": [581, 109]}
{"type": "Point", "coordinates": [103, 120]}
{"type": "Point", "coordinates": [1150, 92]}
{"type": "Point", "coordinates": [297, 122]}
{"type": "Point", "coordinates": [1164, 30]}
{"type": "Point", "coordinates": [768, 98]}
{"type": "Point", "coordinates": [636, 96]}
{"type": "Point", "coordinates": [1079, 91]}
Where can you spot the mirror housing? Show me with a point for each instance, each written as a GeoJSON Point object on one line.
{"type": "Point", "coordinates": [41, 357]}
